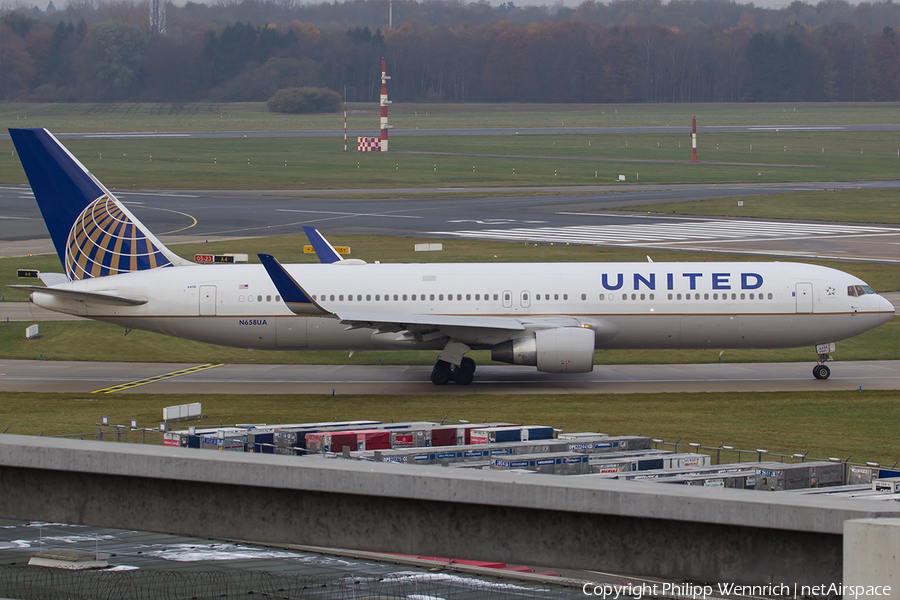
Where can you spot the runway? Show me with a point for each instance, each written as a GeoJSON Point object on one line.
{"type": "Point", "coordinates": [573, 216]}
{"type": "Point", "coordinates": [184, 378]}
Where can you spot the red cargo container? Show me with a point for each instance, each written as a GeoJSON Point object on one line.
{"type": "Point", "coordinates": [333, 441]}
{"type": "Point", "coordinates": [444, 436]}
{"type": "Point", "coordinates": [371, 439]}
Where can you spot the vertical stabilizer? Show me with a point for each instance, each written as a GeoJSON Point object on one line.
{"type": "Point", "coordinates": [94, 234]}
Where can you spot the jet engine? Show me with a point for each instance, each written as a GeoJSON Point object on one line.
{"type": "Point", "coordinates": [557, 350]}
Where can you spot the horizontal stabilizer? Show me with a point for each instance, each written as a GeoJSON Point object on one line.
{"type": "Point", "coordinates": [293, 295]}
{"type": "Point", "coordinates": [95, 297]}
{"type": "Point", "coordinates": [50, 279]}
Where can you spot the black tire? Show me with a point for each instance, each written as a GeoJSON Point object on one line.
{"type": "Point", "coordinates": [463, 376]}
{"type": "Point", "coordinates": [468, 364]}
{"type": "Point", "coordinates": [440, 376]}
{"type": "Point", "coordinates": [821, 372]}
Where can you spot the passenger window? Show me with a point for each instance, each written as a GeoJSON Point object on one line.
{"type": "Point", "coordinates": [770, 295]}
{"type": "Point", "coordinates": [752, 296]}
{"type": "Point", "coordinates": [268, 298]}
{"type": "Point", "coordinates": [733, 296]}
{"type": "Point", "coordinates": [349, 298]}
{"type": "Point", "coordinates": [468, 296]}
{"type": "Point", "coordinates": [651, 296]}
{"type": "Point", "coordinates": [277, 298]}
{"type": "Point", "coordinates": [449, 297]}
{"type": "Point", "coordinates": [377, 297]}
{"type": "Point", "coordinates": [240, 298]}
{"type": "Point", "coordinates": [341, 297]}
{"type": "Point", "coordinates": [259, 298]}
{"type": "Point", "coordinates": [634, 296]}
{"type": "Point", "coordinates": [477, 296]}
{"type": "Point", "coordinates": [505, 297]}
{"type": "Point", "coordinates": [440, 296]}
{"type": "Point", "coordinates": [249, 298]}
{"type": "Point", "coordinates": [368, 297]}
{"type": "Point", "coordinates": [404, 297]}
{"type": "Point", "coordinates": [670, 296]}
{"type": "Point", "coordinates": [359, 297]}
{"type": "Point", "coordinates": [678, 296]}
{"type": "Point", "coordinates": [584, 296]}
{"type": "Point", "coordinates": [332, 297]}
{"type": "Point", "coordinates": [496, 296]}
{"type": "Point", "coordinates": [432, 297]}
{"type": "Point", "coordinates": [459, 296]}
{"type": "Point", "coordinates": [642, 296]}
{"type": "Point", "coordinates": [742, 296]}
{"type": "Point", "coordinates": [395, 297]}
{"type": "Point", "coordinates": [706, 296]}
{"type": "Point", "coordinates": [715, 296]}
{"type": "Point", "coordinates": [565, 296]}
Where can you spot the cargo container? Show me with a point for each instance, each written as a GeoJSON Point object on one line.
{"type": "Point", "coordinates": [443, 436]}
{"type": "Point", "coordinates": [262, 443]}
{"type": "Point", "coordinates": [413, 438]}
{"type": "Point", "coordinates": [372, 439]}
{"type": "Point", "coordinates": [868, 474]}
{"type": "Point", "coordinates": [599, 443]}
{"type": "Point", "coordinates": [464, 432]}
{"type": "Point", "coordinates": [742, 480]}
{"type": "Point", "coordinates": [491, 435]}
{"type": "Point", "coordinates": [774, 476]}
{"type": "Point", "coordinates": [332, 441]}
{"type": "Point", "coordinates": [562, 463]}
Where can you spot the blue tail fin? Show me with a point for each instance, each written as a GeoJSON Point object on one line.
{"type": "Point", "coordinates": [94, 234]}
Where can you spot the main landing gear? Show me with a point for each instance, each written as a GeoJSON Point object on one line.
{"type": "Point", "coordinates": [444, 372]}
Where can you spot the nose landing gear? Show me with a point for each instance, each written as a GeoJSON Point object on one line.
{"type": "Point", "coordinates": [821, 370]}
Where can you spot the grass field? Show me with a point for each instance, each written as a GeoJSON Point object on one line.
{"type": "Point", "coordinates": [489, 161]}
{"type": "Point", "coordinates": [202, 116]}
{"type": "Point", "coordinates": [854, 206]}
{"type": "Point", "coordinates": [861, 425]}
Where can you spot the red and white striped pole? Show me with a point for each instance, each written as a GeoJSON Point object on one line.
{"type": "Point", "coordinates": [384, 104]}
{"type": "Point", "coordinates": [345, 118]}
{"type": "Point", "coordinates": [694, 139]}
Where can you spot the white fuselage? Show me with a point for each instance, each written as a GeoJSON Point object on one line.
{"type": "Point", "coordinates": [629, 305]}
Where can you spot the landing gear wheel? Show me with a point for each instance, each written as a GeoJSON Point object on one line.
{"type": "Point", "coordinates": [440, 374]}
{"type": "Point", "coordinates": [468, 364]}
{"type": "Point", "coordinates": [821, 372]}
{"type": "Point", "coordinates": [463, 376]}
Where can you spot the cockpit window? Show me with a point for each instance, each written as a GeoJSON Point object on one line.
{"type": "Point", "coordinates": [859, 290]}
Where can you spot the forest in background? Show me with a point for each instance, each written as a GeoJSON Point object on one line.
{"type": "Point", "coordinates": [451, 51]}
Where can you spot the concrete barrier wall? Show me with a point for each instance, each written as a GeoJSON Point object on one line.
{"type": "Point", "coordinates": [679, 532]}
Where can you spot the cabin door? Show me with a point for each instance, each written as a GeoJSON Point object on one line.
{"type": "Point", "coordinates": [207, 300]}
{"type": "Point", "coordinates": [804, 294]}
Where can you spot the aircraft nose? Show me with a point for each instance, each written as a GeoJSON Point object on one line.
{"type": "Point", "coordinates": [886, 306]}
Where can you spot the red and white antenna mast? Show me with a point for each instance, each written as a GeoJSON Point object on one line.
{"type": "Point", "coordinates": [694, 139]}
{"type": "Point", "coordinates": [384, 104]}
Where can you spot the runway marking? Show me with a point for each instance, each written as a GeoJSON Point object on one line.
{"type": "Point", "coordinates": [705, 230]}
{"type": "Point", "coordinates": [347, 214]}
{"type": "Point", "coordinates": [155, 378]}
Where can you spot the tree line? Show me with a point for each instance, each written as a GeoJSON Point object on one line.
{"type": "Point", "coordinates": [455, 52]}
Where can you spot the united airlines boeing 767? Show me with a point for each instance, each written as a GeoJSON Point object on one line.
{"type": "Point", "coordinates": [549, 315]}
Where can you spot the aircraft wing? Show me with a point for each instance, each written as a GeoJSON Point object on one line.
{"type": "Point", "coordinates": [468, 327]}
{"type": "Point", "coordinates": [95, 297]}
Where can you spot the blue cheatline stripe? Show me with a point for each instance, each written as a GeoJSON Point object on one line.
{"type": "Point", "coordinates": [284, 283]}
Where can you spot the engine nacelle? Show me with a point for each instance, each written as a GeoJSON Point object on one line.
{"type": "Point", "coordinates": [559, 350]}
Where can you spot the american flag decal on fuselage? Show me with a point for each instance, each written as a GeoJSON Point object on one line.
{"type": "Point", "coordinates": [104, 241]}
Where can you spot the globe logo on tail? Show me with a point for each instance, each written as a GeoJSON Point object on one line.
{"type": "Point", "coordinates": [105, 241]}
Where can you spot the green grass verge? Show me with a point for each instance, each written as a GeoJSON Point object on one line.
{"type": "Point", "coordinates": [498, 161]}
{"type": "Point", "coordinates": [862, 425]}
{"type": "Point", "coordinates": [206, 116]}
{"type": "Point", "coordinates": [859, 206]}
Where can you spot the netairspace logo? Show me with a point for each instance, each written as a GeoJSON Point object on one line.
{"type": "Point", "coordinates": [702, 592]}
